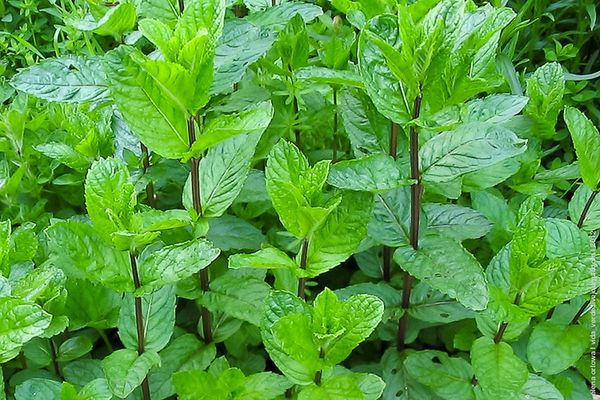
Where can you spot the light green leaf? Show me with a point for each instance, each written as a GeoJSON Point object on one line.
{"type": "Point", "coordinates": [238, 293]}
{"type": "Point", "coordinates": [21, 322]}
{"type": "Point", "coordinates": [295, 189]}
{"type": "Point", "coordinates": [158, 220]}
{"type": "Point", "coordinates": [382, 85]}
{"type": "Point", "coordinates": [495, 109]}
{"type": "Point", "coordinates": [389, 224]}
{"type": "Point", "coordinates": [500, 373]}
{"type": "Point", "coordinates": [342, 326]}
{"type": "Point", "coordinates": [340, 234]}
{"type": "Point", "coordinates": [242, 44]}
{"type": "Point", "coordinates": [160, 35]}
{"type": "Point", "coordinates": [198, 15]}
{"type": "Point", "coordinates": [446, 266]}
{"type": "Point", "coordinates": [156, 122]}
{"type": "Point", "coordinates": [470, 147]}
{"type": "Point", "coordinates": [263, 386]}
{"type": "Point", "coordinates": [366, 128]}
{"type": "Point", "coordinates": [117, 20]}
{"type": "Point", "coordinates": [41, 388]}
{"type": "Point", "coordinates": [158, 309]}
{"type": "Point", "coordinates": [449, 377]}
{"type": "Point", "coordinates": [563, 238]}
{"type": "Point", "coordinates": [351, 386]}
{"type": "Point", "coordinates": [374, 173]}
{"type": "Point", "coordinates": [267, 258]}
{"type": "Point", "coordinates": [67, 79]}
{"type": "Point", "coordinates": [90, 304]}
{"type": "Point", "coordinates": [125, 371]}
{"type": "Point", "coordinates": [545, 88]}
{"type": "Point", "coordinates": [456, 221]}
{"type": "Point", "coordinates": [222, 174]}
{"type": "Point", "coordinates": [97, 389]}
{"type": "Point", "coordinates": [552, 348]}
{"type": "Point", "coordinates": [173, 263]}
{"type": "Point", "coordinates": [65, 154]}
{"type": "Point", "coordinates": [228, 232]}
{"type": "Point", "coordinates": [538, 388]}
{"type": "Point", "coordinates": [183, 353]}
{"type": "Point", "coordinates": [330, 76]}
{"type": "Point", "coordinates": [577, 205]}
{"type": "Point", "coordinates": [80, 251]}
{"type": "Point", "coordinates": [277, 17]}
{"type": "Point", "coordinates": [586, 139]}
{"type": "Point", "coordinates": [224, 126]}
{"type": "Point", "coordinates": [109, 196]}
{"type": "Point", "coordinates": [74, 348]}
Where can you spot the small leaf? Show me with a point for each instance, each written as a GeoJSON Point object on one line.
{"type": "Point", "coordinates": [374, 173]}
{"type": "Point", "coordinates": [586, 139]}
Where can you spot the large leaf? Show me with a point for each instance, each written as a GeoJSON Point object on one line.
{"type": "Point", "coordinates": [445, 265]}
{"type": "Point", "coordinates": [141, 100]}
{"type": "Point", "coordinates": [222, 174]}
{"type": "Point", "coordinates": [375, 173]}
{"type": "Point", "coordinates": [389, 224]}
{"type": "Point", "coordinates": [586, 139]}
{"type": "Point", "coordinates": [125, 371]}
{"type": "Point", "coordinates": [109, 196]}
{"type": "Point", "coordinates": [81, 252]}
{"type": "Point", "coordinates": [470, 147]}
{"type": "Point", "coordinates": [552, 348]}
{"type": "Point", "coordinates": [450, 378]}
{"type": "Point", "coordinates": [173, 263]}
{"type": "Point", "coordinates": [456, 221]}
{"type": "Point", "coordinates": [21, 321]}
{"type": "Point", "coordinates": [68, 79]}
{"type": "Point", "coordinates": [241, 45]}
{"type": "Point", "coordinates": [500, 373]}
{"type": "Point", "coordinates": [158, 310]}
{"type": "Point", "coordinates": [341, 233]}
{"type": "Point", "coordinates": [545, 89]}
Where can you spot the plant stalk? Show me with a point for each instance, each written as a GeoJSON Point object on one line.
{"type": "Point", "coordinates": [150, 186]}
{"type": "Point", "coordinates": [297, 117]}
{"type": "Point", "coordinates": [54, 355]}
{"type": "Point", "coordinates": [139, 321]}
{"type": "Point", "coordinates": [415, 208]}
{"type": "Point", "coordinates": [197, 203]}
{"type": "Point", "coordinates": [334, 146]}
{"type": "Point", "coordinates": [319, 374]}
{"type": "Point", "coordinates": [504, 325]}
{"type": "Point", "coordinates": [303, 258]}
{"type": "Point", "coordinates": [387, 251]}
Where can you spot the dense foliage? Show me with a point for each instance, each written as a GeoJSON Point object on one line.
{"type": "Point", "coordinates": [337, 200]}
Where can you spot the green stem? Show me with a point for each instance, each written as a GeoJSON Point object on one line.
{"type": "Point", "coordinates": [335, 125]}
{"type": "Point", "coordinates": [149, 187]}
{"type": "Point", "coordinates": [54, 356]}
{"type": "Point", "coordinates": [139, 321]}
{"type": "Point", "coordinates": [303, 258]}
{"type": "Point", "coordinates": [415, 208]}
{"type": "Point", "coordinates": [387, 251]}
{"type": "Point", "coordinates": [504, 325]}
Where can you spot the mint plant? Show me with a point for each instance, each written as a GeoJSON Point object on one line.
{"type": "Point", "coordinates": [250, 199]}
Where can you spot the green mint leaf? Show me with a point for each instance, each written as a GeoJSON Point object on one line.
{"type": "Point", "coordinates": [268, 258]}
{"type": "Point", "coordinates": [125, 370]}
{"type": "Point", "coordinates": [67, 79]}
{"type": "Point", "coordinates": [499, 372]}
{"type": "Point", "coordinates": [552, 348]}
{"type": "Point", "coordinates": [577, 205]}
{"type": "Point", "coordinates": [456, 221]}
{"type": "Point", "coordinates": [586, 139]}
{"type": "Point", "coordinates": [375, 173]}
{"type": "Point", "coordinates": [389, 224]}
{"type": "Point", "coordinates": [545, 89]}
{"type": "Point", "coordinates": [109, 196]}
{"type": "Point", "coordinates": [466, 149]}
{"type": "Point", "coordinates": [446, 266]}
{"type": "Point", "coordinates": [158, 310]}
{"type": "Point", "coordinates": [118, 19]}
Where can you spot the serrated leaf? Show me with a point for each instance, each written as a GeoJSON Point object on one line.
{"type": "Point", "coordinates": [82, 253]}
{"type": "Point", "coordinates": [117, 20]}
{"type": "Point", "coordinates": [586, 139]}
{"type": "Point", "coordinates": [277, 17]}
{"type": "Point", "coordinates": [445, 265]}
{"type": "Point", "coordinates": [125, 371]}
{"type": "Point", "coordinates": [468, 148]}
{"type": "Point", "coordinates": [330, 76]}
{"type": "Point", "coordinates": [448, 377]}
{"type": "Point", "coordinates": [577, 204]}
{"type": "Point", "coordinates": [109, 196]}
{"type": "Point", "coordinates": [456, 221]}
{"type": "Point", "coordinates": [156, 122]}
{"type": "Point", "coordinates": [173, 263]}
{"type": "Point", "coordinates": [389, 224]}
{"type": "Point", "coordinates": [499, 372]}
{"type": "Point", "coordinates": [21, 322]}
{"type": "Point", "coordinates": [552, 348]}
{"type": "Point", "coordinates": [545, 88]}
{"type": "Point", "coordinates": [267, 258]}
{"type": "Point", "coordinates": [68, 79]}
{"type": "Point", "coordinates": [374, 173]}
{"type": "Point", "coordinates": [158, 310]}
{"type": "Point", "coordinates": [45, 388]}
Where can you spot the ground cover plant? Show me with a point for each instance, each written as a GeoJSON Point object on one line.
{"type": "Point", "coordinates": [265, 199]}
